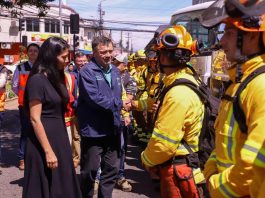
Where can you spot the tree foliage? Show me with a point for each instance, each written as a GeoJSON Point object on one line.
{"type": "Point", "coordinates": [40, 4]}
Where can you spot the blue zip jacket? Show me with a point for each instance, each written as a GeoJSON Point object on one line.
{"type": "Point", "coordinates": [99, 105]}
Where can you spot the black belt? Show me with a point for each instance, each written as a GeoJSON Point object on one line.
{"type": "Point", "coordinates": [181, 159]}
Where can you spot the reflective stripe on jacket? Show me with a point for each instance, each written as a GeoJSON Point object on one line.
{"type": "Point", "coordinates": [142, 72]}
{"type": "Point", "coordinates": [24, 70]}
{"type": "Point", "coordinates": [180, 116]}
{"type": "Point", "coordinates": [70, 113]}
{"type": "Point", "coordinates": [3, 79]}
{"type": "Point", "coordinates": [236, 153]}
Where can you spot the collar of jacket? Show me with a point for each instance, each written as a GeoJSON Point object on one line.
{"type": "Point", "coordinates": [181, 73]}
{"type": "Point", "coordinates": [98, 67]}
{"type": "Point", "coordinates": [30, 64]}
{"type": "Point", "coordinates": [248, 67]}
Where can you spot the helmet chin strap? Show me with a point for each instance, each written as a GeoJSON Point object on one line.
{"type": "Point", "coordinates": [175, 65]}
{"type": "Point", "coordinates": [240, 59]}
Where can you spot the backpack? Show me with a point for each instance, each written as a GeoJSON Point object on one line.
{"type": "Point", "coordinates": [237, 110]}
{"type": "Point", "coordinates": [211, 104]}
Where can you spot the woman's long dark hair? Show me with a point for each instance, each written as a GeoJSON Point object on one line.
{"type": "Point", "coordinates": [47, 63]}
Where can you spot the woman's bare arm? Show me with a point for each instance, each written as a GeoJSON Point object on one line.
{"type": "Point", "coordinates": [35, 107]}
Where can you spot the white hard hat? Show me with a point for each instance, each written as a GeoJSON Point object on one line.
{"type": "Point", "coordinates": [123, 58]}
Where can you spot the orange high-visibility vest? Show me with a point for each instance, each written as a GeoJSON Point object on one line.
{"type": "Point", "coordinates": [2, 99]}
{"type": "Point", "coordinates": [69, 114]}
{"type": "Point", "coordinates": [2, 91]}
{"type": "Point", "coordinates": [24, 70]}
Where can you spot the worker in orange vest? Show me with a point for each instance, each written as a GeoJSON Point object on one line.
{"type": "Point", "coordinates": [3, 79]}
{"type": "Point", "coordinates": [70, 111]}
{"type": "Point", "coordinates": [19, 82]}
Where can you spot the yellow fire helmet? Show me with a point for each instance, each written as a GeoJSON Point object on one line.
{"type": "Point", "coordinates": [131, 57]}
{"type": "Point", "coordinates": [176, 37]}
{"type": "Point", "coordinates": [177, 41]}
{"type": "Point", "coordinates": [140, 54]}
{"type": "Point", "coordinates": [247, 15]}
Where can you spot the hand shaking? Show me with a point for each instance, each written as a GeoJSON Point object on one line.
{"type": "Point", "coordinates": [127, 105]}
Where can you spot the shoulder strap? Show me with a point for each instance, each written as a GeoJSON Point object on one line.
{"type": "Point", "coordinates": [188, 83]}
{"type": "Point", "coordinates": [181, 81]}
{"type": "Point", "coordinates": [191, 85]}
{"type": "Point", "coordinates": [237, 110]}
{"type": "Point", "coordinates": [19, 67]}
{"type": "Point", "coordinates": [27, 66]}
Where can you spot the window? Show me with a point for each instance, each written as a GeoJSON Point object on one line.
{"type": "Point", "coordinates": [33, 25]}
{"type": "Point", "coordinates": [90, 35]}
{"type": "Point", "coordinates": [66, 27]}
{"type": "Point", "coordinates": [193, 26]}
{"type": "Point", "coordinates": [52, 26]}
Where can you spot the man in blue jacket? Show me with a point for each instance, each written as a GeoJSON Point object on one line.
{"type": "Point", "coordinates": [99, 106]}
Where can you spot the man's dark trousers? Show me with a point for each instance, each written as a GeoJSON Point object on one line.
{"type": "Point", "coordinates": [25, 127]}
{"type": "Point", "coordinates": [99, 152]}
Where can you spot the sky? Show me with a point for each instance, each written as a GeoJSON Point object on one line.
{"type": "Point", "coordinates": [150, 11]}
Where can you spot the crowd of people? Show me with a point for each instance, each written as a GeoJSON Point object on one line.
{"type": "Point", "coordinates": [82, 113]}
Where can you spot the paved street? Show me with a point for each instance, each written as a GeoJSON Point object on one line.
{"type": "Point", "coordinates": [11, 180]}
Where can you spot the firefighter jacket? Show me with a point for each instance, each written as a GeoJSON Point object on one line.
{"type": "Point", "coordinates": [230, 166]}
{"type": "Point", "coordinates": [132, 70]}
{"type": "Point", "coordinates": [124, 97]}
{"type": "Point", "coordinates": [142, 72]}
{"type": "Point", "coordinates": [180, 116]}
{"type": "Point", "coordinates": [3, 80]}
{"type": "Point", "coordinates": [153, 86]}
{"type": "Point", "coordinates": [258, 184]}
{"type": "Point", "coordinates": [70, 112]}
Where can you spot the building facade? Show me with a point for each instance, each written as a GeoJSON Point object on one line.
{"type": "Point", "coordinates": [36, 30]}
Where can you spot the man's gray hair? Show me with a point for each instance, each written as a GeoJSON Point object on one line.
{"type": "Point", "coordinates": [100, 40]}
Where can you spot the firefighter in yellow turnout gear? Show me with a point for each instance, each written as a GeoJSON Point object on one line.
{"type": "Point", "coordinates": [154, 83]}
{"type": "Point", "coordinates": [236, 168]}
{"type": "Point", "coordinates": [141, 76]}
{"type": "Point", "coordinates": [131, 63]}
{"type": "Point", "coordinates": [179, 117]}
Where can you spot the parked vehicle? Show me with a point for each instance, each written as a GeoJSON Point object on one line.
{"type": "Point", "coordinates": [211, 62]}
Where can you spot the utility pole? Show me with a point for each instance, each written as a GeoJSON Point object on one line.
{"type": "Point", "coordinates": [110, 33]}
{"type": "Point", "coordinates": [128, 42]}
{"type": "Point", "coordinates": [60, 17]}
{"type": "Point", "coordinates": [131, 46]}
{"type": "Point", "coordinates": [121, 42]}
{"type": "Point", "coordinates": [101, 13]}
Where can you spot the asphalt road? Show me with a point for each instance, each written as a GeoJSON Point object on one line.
{"type": "Point", "coordinates": [11, 180]}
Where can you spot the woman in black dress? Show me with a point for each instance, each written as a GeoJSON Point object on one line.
{"type": "Point", "coordinates": [49, 170]}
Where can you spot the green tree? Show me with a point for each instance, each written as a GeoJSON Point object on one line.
{"type": "Point", "coordinates": [40, 4]}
